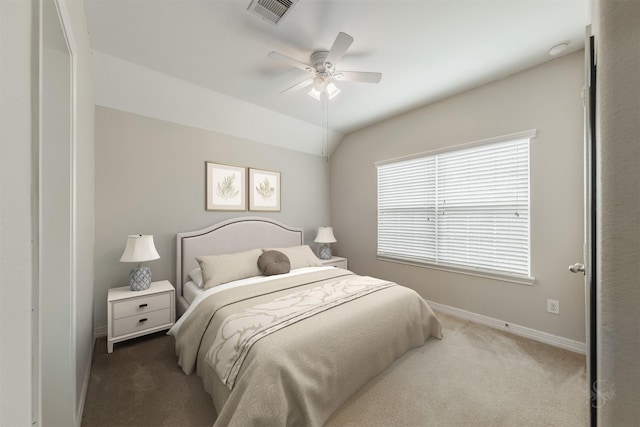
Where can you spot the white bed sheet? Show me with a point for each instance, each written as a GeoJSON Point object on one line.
{"type": "Point", "coordinates": [190, 291]}
{"type": "Point", "coordinates": [203, 293]}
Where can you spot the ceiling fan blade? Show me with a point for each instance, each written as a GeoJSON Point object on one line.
{"type": "Point", "coordinates": [340, 46]}
{"type": "Point", "coordinates": [358, 76]}
{"type": "Point", "coordinates": [293, 62]}
{"type": "Point", "coordinates": [296, 87]}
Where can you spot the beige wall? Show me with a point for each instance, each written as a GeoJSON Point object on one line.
{"type": "Point", "coordinates": [150, 179]}
{"type": "Point", "coordinates": [546, 98]}
{"type": "Point", "coordinates": [618, 97]}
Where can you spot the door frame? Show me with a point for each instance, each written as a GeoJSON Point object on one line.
{"type": "Point", "coordinates": [39, 290]}
{"type": "Point", "coordinates": [591, 204]}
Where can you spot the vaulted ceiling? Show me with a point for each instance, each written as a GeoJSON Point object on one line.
{"type": "Point", "coordinates": [426, 50]}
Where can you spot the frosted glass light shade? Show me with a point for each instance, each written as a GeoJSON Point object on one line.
{"type": "Point", "coordinates": [139, 249]}
{"type": "Point", "coordinates": [332, 91]}
{"type": "Point", "coordinates": [314, 93]}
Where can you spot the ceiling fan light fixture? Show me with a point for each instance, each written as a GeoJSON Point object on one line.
{"type": "Point", "coordinates": [322, 66]}
{"type": "Point", "coordinates": [319, 82]}
{"type": "Point", "coordinates": [314, 93]}
{"type": "Point", "coordinates": [332, 90]}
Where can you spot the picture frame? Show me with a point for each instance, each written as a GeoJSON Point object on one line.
{"type": "Point", "coordinates": [225, 187]}
{"type": "Point", "coordinates": [264, 190]}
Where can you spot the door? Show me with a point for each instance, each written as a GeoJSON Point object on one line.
{"type": "Point", "coordinates": [588, 266]}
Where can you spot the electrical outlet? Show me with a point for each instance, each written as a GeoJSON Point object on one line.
{"type": "Point", "coordinates": [553, 306]}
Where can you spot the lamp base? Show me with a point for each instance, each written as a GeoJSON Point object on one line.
{"type": "Point", "coordinates": [325, 252]}
{"type": "Point", "coordinates": [140, 278]}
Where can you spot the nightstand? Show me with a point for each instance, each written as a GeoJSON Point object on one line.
{"type": "Point", "coordinates": [131, 314]}
{"type": "Point", "coordinates": [335, 261]}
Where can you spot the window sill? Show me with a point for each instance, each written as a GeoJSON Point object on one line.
{"type": "Point", "coordinates": [520, 280]}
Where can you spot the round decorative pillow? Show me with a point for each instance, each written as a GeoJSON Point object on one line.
{"type": "Point", "coordinates": [273, 262]}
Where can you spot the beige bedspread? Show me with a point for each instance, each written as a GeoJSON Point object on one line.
{"type": "Point", "coordinates": [299, 375]}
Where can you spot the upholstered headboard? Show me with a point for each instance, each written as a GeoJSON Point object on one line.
{"type": "Point", "coordinates": [233, 235]}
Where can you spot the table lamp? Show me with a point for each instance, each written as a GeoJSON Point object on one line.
{"type": "Point", "coordinates": [139, 249]}
{"type": "Point", "coordinates": [325, 236]}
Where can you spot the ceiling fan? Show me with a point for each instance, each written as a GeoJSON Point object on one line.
{"type": "Point", "coordinates": [323, 67]}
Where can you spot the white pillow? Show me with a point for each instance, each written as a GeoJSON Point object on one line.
{"type": "Point", "coordinates": [299, 256]}
{"type": "Point", "coordinates": [219, 269]}
{"type": "Point", "coordinates": [196, 277]}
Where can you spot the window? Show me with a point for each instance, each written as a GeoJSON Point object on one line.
{"type": "Point", "coordinates": [465, 209]}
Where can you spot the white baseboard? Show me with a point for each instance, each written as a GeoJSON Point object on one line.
{"type": "Point", "coordinates": [100, 331]}
{"type": "Point", "coordinates": [85, 386]}
{"type": "Point", "coordinates": [544, 337]}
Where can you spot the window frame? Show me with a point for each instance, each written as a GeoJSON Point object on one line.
{"type": "Point", "coordinates": [467, 270]}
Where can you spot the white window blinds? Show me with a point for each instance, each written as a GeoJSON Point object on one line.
{"type": "Point", "coordinates": [467, 208]}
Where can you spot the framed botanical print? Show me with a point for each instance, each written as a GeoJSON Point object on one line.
{"type": "Point", "coordinates": [225, 187]}
{"type": "Point", "coordinates": [264, 190]}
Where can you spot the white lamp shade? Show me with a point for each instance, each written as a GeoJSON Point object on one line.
{"type": "Point", "coordinates": [139, 249]}
{"type": "Point", "coordinates": [325, 235]}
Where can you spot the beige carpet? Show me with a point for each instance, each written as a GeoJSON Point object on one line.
{"type": "Point", "coordinates": [475, 376]}
{"type": "Point", "coordinates": [141, 384]}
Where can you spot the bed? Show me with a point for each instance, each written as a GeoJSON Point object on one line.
{"type": "Point", "coordinates": [286, 349]}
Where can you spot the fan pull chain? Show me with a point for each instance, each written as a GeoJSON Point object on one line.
{"type": "Point", "coordinates": [325, 125]}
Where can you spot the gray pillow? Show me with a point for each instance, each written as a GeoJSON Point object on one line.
{"type": "Point", "coordinates": [273, 262]}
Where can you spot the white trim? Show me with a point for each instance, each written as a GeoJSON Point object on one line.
{"type": "Point", "coordinates": [65, 22]}
{"type": "Point", "coordinates": [526, 134]}
{"type": "Point", "coordinates": [100, 331]}
{"type": "Point", "coordinates": [36, 148]}
{"type": "Point", "coordinates": [85, 386]}
{"type": "Point", "coordinates": [503, 277]}
{"type": "Point", "coordinates": [67, 32]}
{"type": "Point", "coordinates": [523, 331]}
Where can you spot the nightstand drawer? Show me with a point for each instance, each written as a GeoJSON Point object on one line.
{"type": "Point", "coordinates": [335, 261]}
{"type": "Point", "coordinates": [143, 304]}
{"type": "Point", "coordinates": [131, 324]}
{"type": "Point", "coordinates": [339, 264]}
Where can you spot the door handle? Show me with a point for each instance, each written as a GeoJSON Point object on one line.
{"type": "Point", "coordinates": [577, 268]}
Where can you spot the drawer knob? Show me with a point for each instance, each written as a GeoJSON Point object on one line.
{"type": "Point", "coordinates": [142, 305]}
{"type": "Point", "coordinates": [143, 320]}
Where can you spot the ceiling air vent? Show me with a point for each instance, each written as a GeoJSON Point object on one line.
{"type": "Point", "coordinates": [272, 11]}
